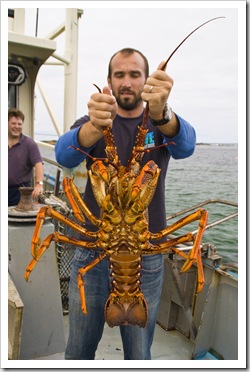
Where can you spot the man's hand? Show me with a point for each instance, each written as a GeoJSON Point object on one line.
{"type": "Point", "coordinates": [102, 109]}
{"type": "Point", "coordinates": [38, 189]}
{"type": "Point", "coordinates": [156, 92]}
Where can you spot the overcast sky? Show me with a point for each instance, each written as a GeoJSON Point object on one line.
{"type": "Point", "coordinates": [204, 69]}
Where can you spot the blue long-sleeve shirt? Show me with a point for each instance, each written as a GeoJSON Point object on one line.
{"type": "Point", "coordinates": [124, 131]}
{"type": "Point", "coordinates": [69, 158]}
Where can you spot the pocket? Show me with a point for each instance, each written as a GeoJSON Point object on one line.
{"type": "Point", "coordinates": [83, 256]}
{"type": "Point", "coordinates": [152, 263]}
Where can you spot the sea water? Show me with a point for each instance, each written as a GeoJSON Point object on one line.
{"type": "Point", "coordinates": [210, 173]}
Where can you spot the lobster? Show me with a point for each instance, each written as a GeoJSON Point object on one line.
{"type": "Point", "coordinates": [123, 194]}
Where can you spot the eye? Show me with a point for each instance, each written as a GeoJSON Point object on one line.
{"type": "Point", "coordinates": [135, 74]}
{"type": "Point", "coordinates": [118, 74]}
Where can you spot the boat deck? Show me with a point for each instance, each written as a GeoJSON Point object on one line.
{"type": "Point", "coordinates": [167, 345]}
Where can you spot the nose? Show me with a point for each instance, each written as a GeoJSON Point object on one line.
{"type": "Point", "coordinates": [126, 82]}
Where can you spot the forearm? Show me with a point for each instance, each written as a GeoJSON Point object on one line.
{"type": "Point", "coordinates": [38, 187]}
{"type": "Point", "coordinates": [67, 156]}
{"type": "Point", "coordinates": [39, 171]}
{"type": "Point", "coordinates": [172, 128]}
{"type": "Point", "coordinates": [87, 130]}
{"type": "Point", "coordinates": [89, 134]}
{"type": "Point", "coordinates": [185, 140]}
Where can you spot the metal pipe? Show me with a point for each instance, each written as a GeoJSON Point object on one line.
{"type": "Point", "coordinates": [66, 61]}
{"type": "Point", "coordinates": [71, 69]}
{"type": "Point", "coordinates": [37, 16]}
{"type": "Point", "coordinates": [52, 162]}
{"type": "Point", "coordinates": [209, 226]}
{"type": "Point", "coordinates": [45, 145]}
{"type": "Point", "coordinates": [209, 201]}
{"type": "Point", "coordinates": [57, 182]}
{"type": "Point", "coordinates": [56, 32]}
{"type": "Point", "coordinates": [51, 63]}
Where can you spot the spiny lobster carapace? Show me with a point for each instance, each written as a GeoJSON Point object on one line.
{"type": "Point", "coordinates": [123, 194]}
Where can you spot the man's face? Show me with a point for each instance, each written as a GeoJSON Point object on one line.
{"type": "Point", "coordinates": [127, 80]}
{"type": "Point", "coordinates": [15, 126]}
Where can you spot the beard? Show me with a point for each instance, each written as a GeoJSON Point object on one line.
{"type": "Point", "coordinates": [127, 103]}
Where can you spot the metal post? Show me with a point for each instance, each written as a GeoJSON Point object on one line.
{"type": "Point", "coordinates": [70, 69]}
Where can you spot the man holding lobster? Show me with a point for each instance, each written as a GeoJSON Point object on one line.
{"type": "Point", "coordinates": [120, 106]}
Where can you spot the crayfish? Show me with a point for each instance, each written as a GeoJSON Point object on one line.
{"type": "Point", "coordinates": [123, 194]}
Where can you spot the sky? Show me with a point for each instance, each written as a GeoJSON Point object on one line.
{"type": "Point", "coordinates": [205, 68]}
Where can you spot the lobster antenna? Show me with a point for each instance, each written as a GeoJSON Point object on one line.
{"type": "Point", "coordinates": [171, 55]}
{"type": "Point", "coordinates": [99, 89]}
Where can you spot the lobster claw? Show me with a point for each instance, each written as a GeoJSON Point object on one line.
{"type": "Point", "coordinates": [118, 313]}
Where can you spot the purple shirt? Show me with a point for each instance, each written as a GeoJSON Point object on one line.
{"type": "Point", "coordinates": [22, 158]}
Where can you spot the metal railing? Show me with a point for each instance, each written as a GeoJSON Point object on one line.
{"type": "Point", "coordinates": [206, 202]}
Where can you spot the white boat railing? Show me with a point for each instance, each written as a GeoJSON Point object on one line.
{"type": "Point", "coordinates": [206, 202]}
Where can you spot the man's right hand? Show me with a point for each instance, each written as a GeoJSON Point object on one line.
{"type": "Point", "coordinates": [102, 109]}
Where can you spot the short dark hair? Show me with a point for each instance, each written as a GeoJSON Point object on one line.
{"type": "Point", "coordinates": [16, 113]}
{"type": "Point", "coordinates": [127, 52]}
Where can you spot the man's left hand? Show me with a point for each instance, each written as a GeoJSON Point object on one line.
{"type": "Point", "coordinates": [156, 92]}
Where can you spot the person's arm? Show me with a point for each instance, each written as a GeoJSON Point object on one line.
{"type": "Point", "coordinates": [67, 156]}
{"type": "Point", "coordinates": [102, 110]}
{"type": "Point", "coordinates": [171, 129]}
{"type": "Point", "coordinates": [184, 140]}
{"type": "Point", "coordinates": [38, 188]}
{"type": "Point", "coordinates": [156, 93]}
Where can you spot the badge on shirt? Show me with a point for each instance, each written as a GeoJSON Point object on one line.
{"type": "Point", "coordinates": [149, 140]}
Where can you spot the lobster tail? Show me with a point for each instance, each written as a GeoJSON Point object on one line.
{"type": "Point", "coordinates": [116, 313]}
{"type": "Point", "coordinates": [126, 303]}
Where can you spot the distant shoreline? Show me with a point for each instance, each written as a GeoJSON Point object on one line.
{"type": "Point", "coordinates": [48, 138]}
{"type": "Point", "coordinates": [216, 144]}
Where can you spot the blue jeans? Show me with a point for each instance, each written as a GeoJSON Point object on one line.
{"type": "Point", "coordinates": [85, 331]}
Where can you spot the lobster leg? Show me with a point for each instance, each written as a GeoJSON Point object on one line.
{"type": "Point", "coordinates": [46, 244]}
{"type": "Point", "coordinates": [195, 253]}
{"type": "Point", "coordinates": [169, 246]}
{"type": "Point", "coordinates": [37, 249]}
{"type": "Point", "coordinates": [77, 203]}
{"type": "Point", "coordinates": [200, 214]}
{"type": "Point", "coordinates": [49, 212]}
{"type": "Point", "coordinates": [81, 272]}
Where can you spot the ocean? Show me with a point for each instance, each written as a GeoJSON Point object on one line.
{"type": "Point", "coordinates": [210, 173]}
